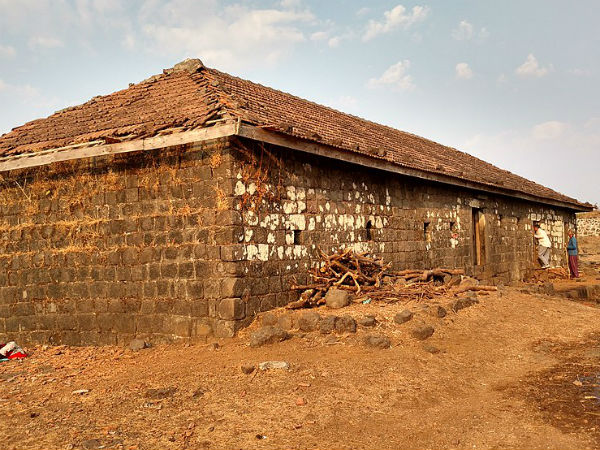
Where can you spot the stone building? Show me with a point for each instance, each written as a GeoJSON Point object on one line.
{"type": "Point", "coordinates": [185, 204]}
{"type": "Point", "coordinates": [588, 224]}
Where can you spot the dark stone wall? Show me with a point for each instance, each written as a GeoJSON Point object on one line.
{"type": "Point", "coordinates": [98, 251]}
{"type": "Point", "coordinates": [294, 203]}
{"type": "Point", "coordinates": [190, 242]}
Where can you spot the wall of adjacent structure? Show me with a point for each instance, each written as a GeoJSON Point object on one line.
{"type": "Point", "coordinates": [588, 224]}
{"type": "Point", "coordinates": [98, 251]}
{"type": "Point", "coordinates": [293, 203]}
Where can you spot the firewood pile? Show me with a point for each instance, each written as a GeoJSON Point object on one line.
{"type": "Point", "coordinates": [368, 277]}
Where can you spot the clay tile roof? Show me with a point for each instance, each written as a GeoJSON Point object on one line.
{"type": "Point", "coordinates": [190, 95]}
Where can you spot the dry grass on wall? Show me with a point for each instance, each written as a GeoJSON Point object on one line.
{"type": "Point", "coordinates": [63, 196]}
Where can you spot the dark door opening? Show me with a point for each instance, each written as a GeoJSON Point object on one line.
{"type": "Point", "coordinates": [478, 237]}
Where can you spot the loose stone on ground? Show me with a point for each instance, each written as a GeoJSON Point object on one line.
{"type": "Point", "coordinates": [377, 341]}
{"type": "Point", "coordinates": [337, 298]}
{"type": "Point", "coordinates": [403, 316]}
{"type": "Point", "coordinates": [268, 335]}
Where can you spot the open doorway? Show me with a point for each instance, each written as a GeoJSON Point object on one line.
{"type": "Point", "coordinates": [478, 237]}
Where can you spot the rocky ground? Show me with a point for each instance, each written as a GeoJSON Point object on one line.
{"type": "Point", "coordinates": [505, 370]}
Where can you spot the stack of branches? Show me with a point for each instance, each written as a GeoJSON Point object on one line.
{"type": "Point", "coordinates": [423, 276]}
{"type": "Point", "coordinates": [362, 273]}
{"type": "Point", "coordinates": [345, 269]}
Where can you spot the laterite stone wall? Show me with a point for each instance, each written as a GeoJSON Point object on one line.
{"type": "Point", "coordinates": [588, 224]}
{"type": "Point", "coordinates": [98, 251]}
{"type": "Point", "coordinates": [294, 204]}
{"type": "Point", "coordinates": [191, 242]}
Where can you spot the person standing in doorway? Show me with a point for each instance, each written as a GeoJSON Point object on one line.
{"type": "Point", "coordinates": [572, 253]}
{"type": "Point", "coordinates": [544, 246]}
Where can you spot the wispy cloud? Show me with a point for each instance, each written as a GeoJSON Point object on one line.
{"type": "Point", "coordinates": [395, 77]}
{"type": "Point", "coordinates": [532, 68]}
{"type": "Point", "coordinates": [556, 147]}
{"type": "Point", "coordinates": [463, 71]}
{"type": "Point", "coordinates": [37, 42]}
{"type": "Point", "coordinates": [397, 17]}
{"type": "Point", "coordinates": [580, 72]}
{"type": "Point", "coordinates": [7, 51]}
{"type": "Point", "coordinates": [228, 37]}
{"type": "Point", "coordinates": [552, 129]}
{"type": "Point", "coordinates": [465, 31]}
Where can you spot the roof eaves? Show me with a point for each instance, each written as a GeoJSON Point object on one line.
{"type": "Point", "coordinates": [273, 135]}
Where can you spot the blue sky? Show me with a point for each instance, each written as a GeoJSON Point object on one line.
{"type": "Point", "coordinates": [514, 82]}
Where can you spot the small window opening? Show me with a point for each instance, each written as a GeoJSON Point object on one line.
{"type": "Point", "coordinates": [452, 226]}
{"type": "Point", "coordinates": [426, 232]}
{"type": "Point", "coordinates": [297, 237]}
{"type": "Point", "coordinates": [369, 232]}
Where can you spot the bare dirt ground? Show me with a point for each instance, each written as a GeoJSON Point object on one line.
{"type": "Point", "coordinates": [514, 371]}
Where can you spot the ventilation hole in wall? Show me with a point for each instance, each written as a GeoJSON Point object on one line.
{"type": "Point", "coordinates": [426, 232]}
{"type": "Point", "coordinates": [452, 226]}
{"type": "Point", "coordinates": [297, 237]}
{"type": "Point", "coordinates": [369, 232]}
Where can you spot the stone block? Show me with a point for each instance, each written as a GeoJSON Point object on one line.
{"type": "Point", "coordinates": [201, 328]}
{"type": "Point", "coordinates": [403, 316]}
{"type": "Point", "coordinates": [231, 309]}
{"type": "Point", "coordinates": [179, 326]}
{"type": "Point", "coordinates": [267, 335]}
{"type": "Point", "coordinates": [327, 324]}
{"type": "Point", "coordinates": [309, 321]}
{"type": "Point", "coordinates": [337, 298]}
{"type": "Point", "coordinates": [232, 252]}
{"type": "Point", "coordinates": [66, 322]}
{"type": "Point", "coordinates": [225, 328]}
{"type": "Point", "coordinates": [377, 341]}
{"type": "Point", "coordinates": [151, 323]}
{"type": "Point", "coordinates": [232, 287]}
{"type": "Point", "coordinates": [345, 324]}
{"type": "Point", "coordinates": [422, 332]}
{"type": "Point", "coordinates": [86, 322]}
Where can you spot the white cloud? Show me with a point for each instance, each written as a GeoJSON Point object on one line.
{"type": "Point", "coordinates": [25, 91]}
{"type": "Point", "coordinates": [395, 76]}
{"type": "Point", "coordinates": [397, 17]}
{"type": "Point", "coordinates": [36, 42]}
{"type": "Point", "coordinates": [334, 41]}
{"type": "Point", "coordinates": [502, 78]}
{"type": "Point", "coordinates": [465, 32]}
{"type": "Point", "coordinates": [531, 68]}
{"type": "Point", "coordinates": [227, 38]}
{"type": "Point", "coordinates": [7, 51]}
{"type": "Point", "coordinates": [363, 11]}
{"type": "Point", "coordinates": [319, 36]}
{"type": "Point", "coordinates": [549, 130]}
{"type": "Point", "coordinates": [463, 71]}
{"type": "Point", "coordinates": [580, 72]}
